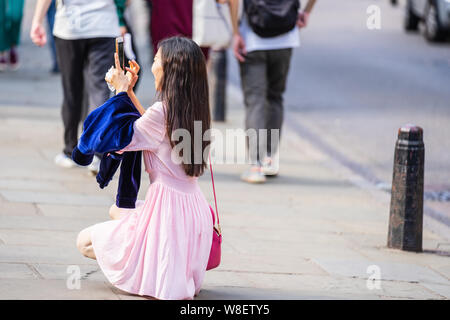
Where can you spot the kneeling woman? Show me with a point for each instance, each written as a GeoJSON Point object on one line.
{"type": "Point", "coordinates": [161, 248]}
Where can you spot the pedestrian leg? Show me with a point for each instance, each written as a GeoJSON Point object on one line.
{"type": "Point", "coordinates": [71, 56]}
{"type": "Point", "coordinates": [277, 72]}
{"type": "Point", "coordinates": [254, 86]}
{"type": "Point", "coordinates": [100, 57]}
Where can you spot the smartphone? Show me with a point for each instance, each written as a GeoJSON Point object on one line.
{"type": "Point", "coordinates": [310, 6]}
{"type": "Point", "coordinates": [120, 52]}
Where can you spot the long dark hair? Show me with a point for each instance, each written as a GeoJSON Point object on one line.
{"type": "Point", "coordinates": [184, 91]}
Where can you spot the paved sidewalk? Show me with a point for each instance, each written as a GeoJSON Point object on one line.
{"type": "Point", "coordinates": [314, 232]}
{"type": "Point", "coordinates": [309, 233]}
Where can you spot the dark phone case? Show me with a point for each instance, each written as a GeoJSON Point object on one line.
{"type": "Point", "coordinates": [121, 56]}
{"type": "Point", "coordinates": [121, 52]}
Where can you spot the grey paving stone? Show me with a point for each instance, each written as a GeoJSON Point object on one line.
{"type": "Point", "coordinates": [443, 267]}
{"type": "Point", "coordinates": [276, 262]}
{"type": "Point", "coordinates": [50, 238]}
{"type": "Point", "coordinates": [47, 223]}
{"type": "Point", "coordinates": [16, 271]}
{"type": "Point", "coordinates": [431, 259]}
{"type": "Point", "coordinates": [62, 272]}
{"type": "Point", "coordinates": [341, 287]}
{"type": "Point", "coordinates": [252, 293]}
{"type": "Point", "coordinates": [90, 186]}
{"type": "Point", "coordinates": [246, 245]}
{"type": "Point", "coordinates": [442, 290]}
{"type": "Point", "coordinates": [25, 289]}
{"type": "Point", "coordinates": [48, 255]}
{"type": "Point", "coordinates": [23, 184]}
{"type": "Point", "coordinates": [122, 295]}
{"type": "Point", "coordinates": [222, 277]}
{"type": "Point", "coordinates": [78, 212]}
{"type": "Point", "coordinates": [46, 170]}
{"type": "Point", "coordinates": [388, 270]}
{"type": "Point", "coordinates": [56, 198]}
{"type": "Point", "coordinates": [17, 209]}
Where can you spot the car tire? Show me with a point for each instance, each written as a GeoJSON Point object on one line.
{"type": "Point", "coordinates": [433, 29]}
{"type": "Point", "coordinates": [411, 20]}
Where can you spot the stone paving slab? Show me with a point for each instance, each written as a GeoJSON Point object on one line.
{"type": "Point", "coordinates": [433, 260]}
{"type": "Point", "coordinates": [55, 198]}
{"type": "Point", "coordinates": [440, 289]}
{"type": "Point", "coordinates": [388, 270]}
{"type": "Point", "coordinates": [339, 287]}
{"type": "Point", "coordinates": [35, 254]}
{"type": "Point", "coordinates": [21, 184]}
{"type": "Point", "coordinates": [252, 293]}
{"type": "Point", "coordinates": [24, 289]}
{"type": "Point", "coordinates": [63, 271]}
{"type": "Point", "coordinates": [264, 263]}
{"type": "Point", "coordinates": [45, 223]}
{"type": "Point", "coordinates": [26, 237]}
{"type": "Point", "coordinates": [16, 271]}
{"type": "Point", "coordinates": [75, 211]}
{"type": "Point", "coordinates": [17, 209]}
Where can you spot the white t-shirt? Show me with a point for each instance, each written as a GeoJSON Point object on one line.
{"type": "Point", "coordinates": [85, 19]}
{"type": "Point", "coordinates": [253, 42]}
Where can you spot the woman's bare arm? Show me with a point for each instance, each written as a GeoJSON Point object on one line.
{"type": "Point", "coordinates": [40, 10]}
{"type": "Point", "coordinates": [37, 32]}
{"type": "Point", "coordinates": [136, 102]}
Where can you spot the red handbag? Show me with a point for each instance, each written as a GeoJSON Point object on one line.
{"type": "Point", "coordinates": [215, 253]}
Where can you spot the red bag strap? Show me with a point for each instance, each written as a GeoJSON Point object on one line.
{"type": "Point", "coordinates": [214, 190]}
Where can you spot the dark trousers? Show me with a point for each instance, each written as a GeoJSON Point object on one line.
{"type": "Point", "coordinates": [83, 63]}
{"type": "Point", "coordinates": [263, 79]}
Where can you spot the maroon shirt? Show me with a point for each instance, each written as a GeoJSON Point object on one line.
{"type": "Point", "coordinates": [171, 18]}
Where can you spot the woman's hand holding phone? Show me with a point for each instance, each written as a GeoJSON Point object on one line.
{"type": "Point", "coordinates": [132, 74]}
{"type": "Point", "coordinates": [120, 81]}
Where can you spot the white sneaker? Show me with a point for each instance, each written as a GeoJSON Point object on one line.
{"type": "Point", "coordinates": [269, 167]}
{"type": "Point", "coordinates": [64, 161]}
{"type": "Point", "coordinates": [254, 175]}
{"type": "Point", "coordinates": [94, 167]}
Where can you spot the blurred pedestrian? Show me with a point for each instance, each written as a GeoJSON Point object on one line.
{"type": "Point", "coordinates": [212, 28]}
{"type": "Point", "coordinates": [263, 43]}
{"type": "Point", "coordinates": [126, 31]}
{"type": "Point", "coordinates": [130, 54]}
{"type": "Point", "coordinates": [217, 75]}
{"type": "Point", "coordinates": [11, 12]}
{"type": "Point", "coordinates": [170, 18]}
{"type": "Point", "coordinates": [51, 41]}
{"type": "Point", "coordinates": [84, 33]}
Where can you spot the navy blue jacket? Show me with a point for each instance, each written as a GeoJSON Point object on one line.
{"type": "Point", "coordinates": [107, 129]}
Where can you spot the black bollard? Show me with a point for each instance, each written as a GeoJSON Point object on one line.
{"type": "Point", "coordinates": [406, 212]}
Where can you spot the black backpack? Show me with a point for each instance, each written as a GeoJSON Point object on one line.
{"type": "Point", "coordinates": [270, 18]}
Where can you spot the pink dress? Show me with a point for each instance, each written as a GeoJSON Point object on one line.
{"type": "Point", "coordinates": [160, 248]}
